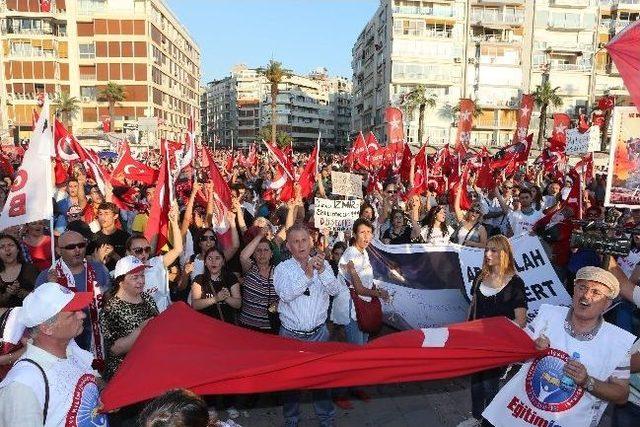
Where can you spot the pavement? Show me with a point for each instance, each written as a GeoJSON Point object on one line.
{"type": "Point", "coordinates": [442, 403]}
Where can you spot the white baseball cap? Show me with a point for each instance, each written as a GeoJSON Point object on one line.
{"type": "Point", "coordinates": [49, 299]}
{"type": "Point", "coordinates": [126, 265]}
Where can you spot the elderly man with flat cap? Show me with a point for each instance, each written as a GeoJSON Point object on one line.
{"type": "Point", "coordinates": [74, 272]}
{"type": "Point", "coordinates": [585, 364]}
{"type": "Point", "coordinates": [52, 383]}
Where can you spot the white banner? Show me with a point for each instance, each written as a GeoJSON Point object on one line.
{"type": "Point", "coordinates": [336, 215]}
{"type": "Point", "coordinates": [430, 285]}
{"type": "Point", "coordinates": [579, 144]}
{"type": "Point", "coordinates": [30, 196]}
{"type": "Point", "coordinates": [346, 184]}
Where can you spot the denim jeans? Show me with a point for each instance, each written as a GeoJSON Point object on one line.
{"type": "Point", "coordinates": [627, 415]}
{"type": "Point", "coordinates": [484, 387]}
{"type": "Point", "coordinates": [354, 334]}
{"type": "Point", "coordinates": [321, 398]}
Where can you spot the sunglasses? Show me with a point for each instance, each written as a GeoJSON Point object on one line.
{"type": "Point", "coordinates": [391, 191]}
{"type": "Point", "coordinates": [72, 246]}
{"type": "Point", "coordinates": [209, 238]}
{"type": "Point", "coordinates": [73, 215]}
{"type": "Point", "coordinates": [139, 251]}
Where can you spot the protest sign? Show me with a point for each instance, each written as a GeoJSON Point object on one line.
{"type": "Point", "coordinates": [623, 180]}
{"type": "Point", "coordinates": [579, 143]}
{"type": "Point", "coordinates": [346, 184]}
{"type": "Point", "coordinates": [430, 285]}
{"type": "Point", "coordinates": [335, 215]}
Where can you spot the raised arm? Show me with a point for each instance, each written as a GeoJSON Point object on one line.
{"type": "Point", "coordinates": [188, 212]}
{"type": "Point", "coordinates": [176, 236]}
{"type": "Point", "coordinates": [247, 252]}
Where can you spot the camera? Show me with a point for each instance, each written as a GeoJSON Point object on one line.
{"type": "Point", "coordinates": [604, 236]}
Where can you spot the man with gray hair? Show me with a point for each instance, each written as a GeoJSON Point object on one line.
{"type": "Point", "coordinates": [52, 383]}
{"type": "Point", "coordinates": [584, 364]}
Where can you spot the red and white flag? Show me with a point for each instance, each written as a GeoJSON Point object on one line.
{"type": "Point", "coordinates": [188, 152]}
{"type": "Point", "coordinates": [307, 179]}
{"type": "Point", "coordinates": [130, 168]}
{"type": "Point", "coordinates": [585, 166]}
{"type": "Point", "coordinates": [45, 6]}
{"type": "Point", "coordinates": [524, 118]}
{"type": "Point", "coordinates": [395, 127]}
{"type": "Point", "coordinates": [222, 201]}
{"type": "Point", "coordinates": [158, 223]}
{"type": "Point", "coordinates": [561, 123]}
{"type": "Point", "coordinates": [30, 195]}
{"type": "Point", "coordinates": [357, 157]}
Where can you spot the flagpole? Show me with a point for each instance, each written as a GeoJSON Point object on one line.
{"type": "Point", "coordinates": [318, 153]}
{"type": "Point", "coordinates": [51, 184]}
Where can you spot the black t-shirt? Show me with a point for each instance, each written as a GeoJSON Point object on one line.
{"type": "Point", "coordinates": [26, 278]}
{"type": "Point", "coordinates": [118, 239]}
{"type": "Point", "coordinates": [221, 310]}
{"type": "Point", "coordinates": [503, 303]}
{"type": "Point", "coordinates": [403, 238]}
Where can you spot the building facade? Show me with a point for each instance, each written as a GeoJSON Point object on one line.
{"type": "Point", "coordinates": [78, 46]}
{"type": "Point", "coordinates": [488, 50]}
{"type": "Point", "coordinates": [239, 106]}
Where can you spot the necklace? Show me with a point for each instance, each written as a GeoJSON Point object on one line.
{"type": "Point", "coordinates": [581, 336]}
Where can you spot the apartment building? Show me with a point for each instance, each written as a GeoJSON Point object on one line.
{"type": "Point", "coordinates": [78, 46]}
{"type": "Point", "coordinates": [488, 50]}
{"type": "Point", "coordinates": [238, 106]}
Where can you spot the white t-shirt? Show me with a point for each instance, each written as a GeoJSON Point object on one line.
{"type": "Point", "coordinates": [634, 390]}
{"type": "Point", "coordinates": [73, 392]}
{"type": "Point", "coordinates": [340, 312]}
{"type": "Point", "coordinates": [437, 238]}
{"type": "Point", "coordinates": [536, 392]}
{"type": "Point", "coordinates": [522, 223]}
{"type": "Point", "coordinates": [156, 282]}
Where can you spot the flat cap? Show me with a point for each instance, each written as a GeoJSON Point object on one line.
{"type": "Point", "coordinates": [597, 274]}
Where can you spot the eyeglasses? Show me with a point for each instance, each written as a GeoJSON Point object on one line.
{"type": "Point", "coordinates": [508, 187]}
{"type": "Point", "coordinates": [72, 246]}
{"type": "Point", "coordinates": [139, 251]}
{"type": "Point", "coordinates": [391, 191]}
{"type": "Point", "coordinates": [209, 238]}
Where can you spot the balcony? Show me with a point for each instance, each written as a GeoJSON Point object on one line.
{"type": "Point", "coordinates": [565, 46]}
{"type": "Point", "coordinates": [626, 4]}
{"type": "Point", "coordinates": [564, 25]}
{"type": "Point", "coordinates": [571, 67]}
{"type": "Point", "coordinates": [500, 2]}
{"type": "Point", "coordinates": [440, 12]}
{"type": "Point", "coordinates": [487, 16]}
{"type": "Point", "coordinates": [87, 77]}
{"type": "Point", "coordinates": [569, 3]}
{"type": "Point", "coordinates": [496, 39]}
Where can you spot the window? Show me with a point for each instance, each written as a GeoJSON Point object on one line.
{"type": "Point", "coordinates": [87, 50]}
{"type": "Point", "coordinates": [90, 92]}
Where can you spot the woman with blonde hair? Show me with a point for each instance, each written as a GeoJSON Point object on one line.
{"type": "Point", "coordinates": [496, 291]}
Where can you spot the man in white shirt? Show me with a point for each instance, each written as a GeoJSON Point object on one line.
{"type": "Point", "coordinates": [521, 221]}
{"type": "Point", "coordinates": [585, 366]}
{"type": "Point", "coordinates": [53, 383]}
{"type": "Point", "coordinates": [304, 284]}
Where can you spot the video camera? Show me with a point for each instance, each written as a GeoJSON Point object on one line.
{"type": "Point", "coordinates": [604, 236]}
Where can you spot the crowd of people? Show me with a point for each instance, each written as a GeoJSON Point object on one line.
{"type": "Point", "coordinates": [270, 270]}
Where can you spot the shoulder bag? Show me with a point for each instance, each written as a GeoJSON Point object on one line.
{"type": "Point", "coordinates": [369, 314]}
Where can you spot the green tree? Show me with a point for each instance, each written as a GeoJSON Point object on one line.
{"type": "Point", "coordinates": [112, 94]}
{"type": "Point", "coordinates": [283, 139]}
{"type": "Point", "coordinates": [275, 74]}
{"type": "Point", "coordinates": [421, 99]}
{"type": "Point", "coordinates": [544, 96]}
{"type": "Point", "coordinates": [68, 107]}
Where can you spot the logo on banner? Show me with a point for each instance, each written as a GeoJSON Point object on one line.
{"type": "Point", "coordinates": [86, 399]}
{"type": "Point", "coordinates": [544, 386]}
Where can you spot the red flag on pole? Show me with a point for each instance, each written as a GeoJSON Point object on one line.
{"type": "Point", "coordinates": [307, 179]}
{"type": "Point", "coordinates": [130, 168]}
{"type": "Point", "coordinates": [465, 124]}
{"type": "Point", "coordinates": [561, 122]}
{"type": "Point", "coordinates": [158, 223]}
{"type": "Point", "coordinates": [524, 117]}
{"type": "Point", "coordinates": [395, 127]}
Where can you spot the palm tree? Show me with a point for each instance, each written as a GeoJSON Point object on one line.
{"type": "Point", "coordinates": [112, 93]}
{"type": "Point", "coordinates": [68, 107]}
{"type": "Point", "coordinates": [283, 139]}
{"type": "Point", "coordinates": [545, 96]}
{"type": "Point", "coordinates": [419, 98]}
{"type": "Point", "coordinates": [274, 74]}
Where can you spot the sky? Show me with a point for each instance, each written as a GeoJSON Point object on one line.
{"type": "Point", "coordinates": [302, 34]}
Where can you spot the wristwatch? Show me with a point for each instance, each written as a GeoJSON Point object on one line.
{"type": "Point", "coordinates": [589, 384]}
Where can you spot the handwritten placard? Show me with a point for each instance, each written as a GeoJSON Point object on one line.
{"type": "Point", "coordinates": [346, 184]}
{"type": "Point", "coordinates": [336, 215]}
{"type": "Point", "coordinates": [579, 143]}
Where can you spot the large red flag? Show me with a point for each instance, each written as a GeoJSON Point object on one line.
{"type": "Point", "coordinates": [358, 152]}
{"type": "Point", "coordinates": [624, 52]}
{"type": "Point", "coordinates": [420, 173]}
{"type": "Point", "coordinates": [307, 179]}
{"type": "Point", "coordinates": [465, 124]}
{"type": "Point", "coordinates": [395, 128]}
{"type": "Point", "coordinates": [181, 335]}
{"type": "Point", "coordinates": [130, 168]}
{"type": "Point", "coordinates": [561, 122]}
{"type": "Point", "coordinates": [222, 198]}
{"type": "Point", "coordinates": [524, 117]}
{"type": "Point", "coordinates": [158, 223]}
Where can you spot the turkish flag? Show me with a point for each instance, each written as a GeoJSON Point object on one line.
{"type": "Point", "coordinates": [222, 201]}
{"type": "Point", "coordinates": [45, 5]}
{"type": "Point", "coordinates": [624, 52]}
{"type": "Point", "coordinates": [524, 117]}
{"type": "Point", "coordinates": [405, 164]}
{"type": "Point", "coordinates": [307, 179]}
{"type": "Point", "coordinates": [465, 124]}
{"type": "Point", "coordinates": [180, 335]}
{"type": "Point", "coordinates": [561, 122]}
{"type": "Point", "coordinates": [454, 183]}
{"type": "Point", "coordinates": [585, 166]}
{"type": "Point", "coordinates": [358, 154]}
{"type": "Point", "coordinates": [395, 127]}
{"type": "Point", "coordinates": [583, 125]}
{"type": "Point", "coordinates": [420, 173]}
{"type": "Point", "coordinates": [158, 223]}
{"type": "Point", "coordinates": [606, 102]}
{"type": "Point", "coordinates": [130, 168]}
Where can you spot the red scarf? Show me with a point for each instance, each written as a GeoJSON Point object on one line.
{"type": "Point", "coordinates": [94, 308]}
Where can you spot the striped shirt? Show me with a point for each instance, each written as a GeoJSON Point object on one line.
{"type": "Point", "coordinates": [300, 310]}
{"type": "Point", "coordinates": [257, 294]}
